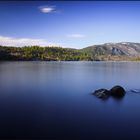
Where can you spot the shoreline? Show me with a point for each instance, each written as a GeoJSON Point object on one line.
{"type": "Point", "coordinates": [62, 61]}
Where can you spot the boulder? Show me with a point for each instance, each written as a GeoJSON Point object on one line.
{"type": "Point", "coordinates": [102, 93]}
{"type": "Point", "coordinates": [117, 91]}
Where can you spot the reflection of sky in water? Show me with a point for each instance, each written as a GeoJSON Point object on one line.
{"type": "Point", "coordinates": [53, 100]}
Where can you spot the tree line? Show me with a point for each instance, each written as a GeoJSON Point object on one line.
{"type": "Point", "coordinates": [42, 53]}
{"type": "Point", "coordinates": [37, 53]}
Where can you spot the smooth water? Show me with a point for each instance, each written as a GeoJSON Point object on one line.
{"type": "Point", "coordinates": [52, 100]}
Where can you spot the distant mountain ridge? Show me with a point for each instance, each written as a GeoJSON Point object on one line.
{"type": "Point", "coordinates": [122, 48]}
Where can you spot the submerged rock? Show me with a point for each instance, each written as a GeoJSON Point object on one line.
{"type": "Point", "coordinates": [117, 91]}
{"type": "Point", "coordinates": [135, 90]}
{"type": "Point", "coordinates": [102, 93]}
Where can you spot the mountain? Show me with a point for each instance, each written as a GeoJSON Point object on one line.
{"type": "Point", "coordinates": [122, 49]}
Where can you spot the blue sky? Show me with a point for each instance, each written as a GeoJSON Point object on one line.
{"type": "Point", "coordinates": [69, 24]}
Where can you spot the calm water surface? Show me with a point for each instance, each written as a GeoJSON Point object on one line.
{"type": "Point", "coordinates": [52, 100]}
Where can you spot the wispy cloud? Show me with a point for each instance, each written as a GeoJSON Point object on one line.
{"type": "Point", "coordinates": [75, 35]}
{"type": "Point", "coordinates": [20, 42]}
{"type": "Point", "coordinates": [47, 9]}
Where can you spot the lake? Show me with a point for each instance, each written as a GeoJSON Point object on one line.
{"type": "Point", "coordinates": [52, 100]}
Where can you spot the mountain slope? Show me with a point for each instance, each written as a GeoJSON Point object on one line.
{"type": "Point", "coordinates": [123, 48]}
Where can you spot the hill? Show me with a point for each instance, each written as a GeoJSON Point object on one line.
{"type": "Point", "coordinates": [123, 51]}
{"type": "Point", "coordinates": [123, 48]}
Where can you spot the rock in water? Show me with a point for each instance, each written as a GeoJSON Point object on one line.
{"type": "Point", "coordinates": [102, 93]}
{"type": "Point", "coordinates": [117, 91]}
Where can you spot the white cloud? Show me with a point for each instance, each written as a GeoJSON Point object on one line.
{"type": "Point", "coordinates": [20, 42]}
{"type": "Point", "coordinates": [75, 35]}
{"type": "Point", "coordinates": [47, 9]}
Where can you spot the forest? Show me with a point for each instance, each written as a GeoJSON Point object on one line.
{"type": "Point", "coordinates": [34, 53]}
{"type": "Point", "coordinates": [37, 53]}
